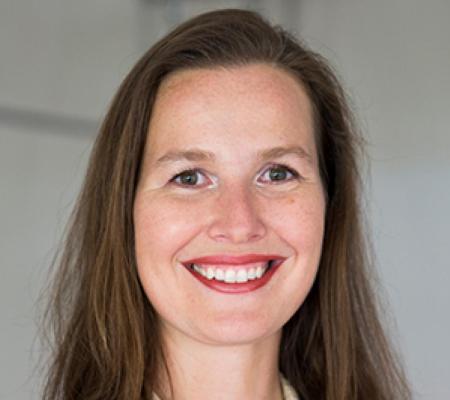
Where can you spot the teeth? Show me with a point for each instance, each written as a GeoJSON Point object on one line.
{"type": "Point", "coordinates": [210, 273]}
{"type": "Point", "coordinates": [231, 275]}
{"type": "Point", "coordinates": [259, 272]}
{"type": "Point", "coordinates": [219, 275]}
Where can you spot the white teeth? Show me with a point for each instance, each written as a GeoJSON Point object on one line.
{"type": "Point", "coordinates": [241, 276]}
{"type": "Point", "coordinates": [219, 275]}
{"type": "Point", "coordinates": [259, 272]}
{"type": "Point", "coordinates": [231, 275]}
{"type": "Point", "coordinates": [197, 268]}
{"type": "Point", "coordinates": [210, 273]}
{"type": "Point", "coordinates": [251, 273]}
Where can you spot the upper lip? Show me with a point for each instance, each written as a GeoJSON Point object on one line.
{"type": "Point", "coordinates": [229, 259]}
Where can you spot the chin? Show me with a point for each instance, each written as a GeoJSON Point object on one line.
{"type": "Point", "coordinates": [237, 330]}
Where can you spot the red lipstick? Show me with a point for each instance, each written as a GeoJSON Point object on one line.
{"type": "Point", "coordinates": [235, 262]}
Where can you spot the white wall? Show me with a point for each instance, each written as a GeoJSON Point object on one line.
{"type": "Point", "coordinates": [61, 62]}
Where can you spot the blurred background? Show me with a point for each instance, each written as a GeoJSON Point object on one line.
{"type": "Point", "coordinates": [61, 62]}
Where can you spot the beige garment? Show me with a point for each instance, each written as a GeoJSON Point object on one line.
{"type": "Point", "coordinates": [288, 391]}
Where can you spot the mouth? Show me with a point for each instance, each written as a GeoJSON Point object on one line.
{"type": "Point", "coordinates": [232, 278]}
{"type": "Point", "coordinates": [233, 273]}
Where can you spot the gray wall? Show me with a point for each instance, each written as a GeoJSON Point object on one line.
{"type": "Point", "coordinates": [395, 59]}
{"type": "Point", "coordinates": [61, 62]}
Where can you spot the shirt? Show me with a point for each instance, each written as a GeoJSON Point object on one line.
{"type": "Point", "coordinates": [288, 391]}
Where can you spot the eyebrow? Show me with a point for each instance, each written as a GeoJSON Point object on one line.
{"type": "Point", "coordinates": [202, 155]}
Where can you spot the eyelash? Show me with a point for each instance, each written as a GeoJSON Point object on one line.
{"type": "Point", "coordinates": [295, 174]}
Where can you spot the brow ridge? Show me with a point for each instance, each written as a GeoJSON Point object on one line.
{"type": "Point", "coordinates": [196, 154]}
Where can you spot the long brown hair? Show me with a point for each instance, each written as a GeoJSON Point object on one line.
{"type": "Point", "coordinates": [105, 332]}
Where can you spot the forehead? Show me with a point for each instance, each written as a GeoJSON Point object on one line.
{"type": "Point", "coordinates": [250, 101]}
{"type": "Point", "coordinates": [252, 80]}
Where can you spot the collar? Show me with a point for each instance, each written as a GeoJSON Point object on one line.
{"type": "Point", "coordinates": [288, 391]}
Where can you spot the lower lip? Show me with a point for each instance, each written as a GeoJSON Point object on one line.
{"type": "Point", "coordinates": [236, 288]}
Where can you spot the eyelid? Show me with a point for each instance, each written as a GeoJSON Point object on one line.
{"type": "Point", "coordinates": [292, 171]}
{"type": "Point", "coordinates": [193, 170]}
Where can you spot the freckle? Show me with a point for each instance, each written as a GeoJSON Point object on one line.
{"type": "Point", "coordinates": [290, 200]}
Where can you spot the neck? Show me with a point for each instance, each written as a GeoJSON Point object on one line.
{"type": "Point", "coordinates": [203, 371]}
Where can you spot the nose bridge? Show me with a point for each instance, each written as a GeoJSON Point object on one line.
{"type": "Point", "coordinates": [236, 215]}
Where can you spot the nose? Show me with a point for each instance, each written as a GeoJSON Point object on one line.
{"type": "Point", "coordinates": [236, 217]}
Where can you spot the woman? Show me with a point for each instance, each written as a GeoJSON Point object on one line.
{"type": "Point", "coordinates": [216, 250]}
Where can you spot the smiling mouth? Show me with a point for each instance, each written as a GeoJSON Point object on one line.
{"type": "Point", "coordinates": [236, 274]}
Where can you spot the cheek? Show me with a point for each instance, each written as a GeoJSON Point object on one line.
{"type": "Point", "coordinates": [163, 226]}
{"type": "Point", "coordinates": [300, 224]}
{"type": "Point", "coordinates": [299, 219]}
{"type": "Point", "coordinates": [161, 229]}
{"type": "Point", "coordinates": [158, 220]}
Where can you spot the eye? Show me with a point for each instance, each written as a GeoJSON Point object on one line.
{"type": "Point", "coordinates": [281, 173]}
{"type": "Point", "coordinates": [188, 177]}
{"type": "Point", "coordinates": [276, 173]}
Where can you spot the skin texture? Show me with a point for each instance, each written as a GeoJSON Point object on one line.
{"type": "Point", "coordinates": [235, 207]}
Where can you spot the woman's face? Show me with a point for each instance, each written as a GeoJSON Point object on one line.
{"type": "Point", "coordinates": [244, 137]}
